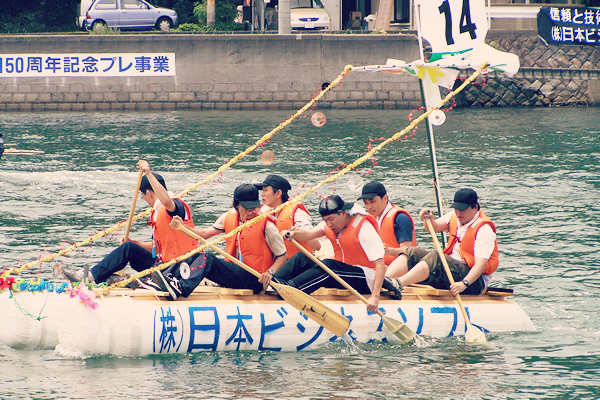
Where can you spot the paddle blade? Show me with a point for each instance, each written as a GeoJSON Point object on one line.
{"type": "Point", "coordinates": [313, 309]}
{"type": "Point", "coordinates": [474, 335]}
{"type": "Point", "coordinates": [399, 329]}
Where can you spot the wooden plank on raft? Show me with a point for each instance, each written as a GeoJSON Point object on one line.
{"type": "Point", "coordinates": [198, 291]}
{"type": "Point", "coordinates": [330, 292]}
{"type": "Point", "coordinates": [431, 291]}
{"type": "Point", "coordinates": [423, 290]}
{"type": "Point", "coordinates": [223, 291]}
{"type": "Point", "coordinates": [129, 292]}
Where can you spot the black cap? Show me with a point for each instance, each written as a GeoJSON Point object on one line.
{"type": "Point", "coordinates": [333, 205]}
{"type": "Point", "coordinates": [464, 198]}
{"type": "Point", "coordinates": [276, 182]}
{"type": "Point", "coordinates": [372, 189]}
{"type": "Point", "coordinates": [145, 184]}
{"type": "Point", "coordinates": [247, 196]}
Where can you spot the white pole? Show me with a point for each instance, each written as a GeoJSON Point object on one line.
{"type": "Point", "coordinates": [284, 23]}
{"type": "Point", "coordinates": [436, 178]}
{"type": "Point", "coordinates": [210, 13]}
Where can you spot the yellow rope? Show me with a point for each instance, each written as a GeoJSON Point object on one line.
{"type": "Point", "coordinates": [300, 197]}
{"type": "Point", "coordinates": [334, 83]}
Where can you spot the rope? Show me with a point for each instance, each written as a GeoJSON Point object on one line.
{"type": "Point", "coordinates": [268, 136]}
{"type": "Point", "coordinates": [300, 197]}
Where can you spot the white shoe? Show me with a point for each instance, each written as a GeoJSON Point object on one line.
{"type": "Point", "coordinates": [76, 275]}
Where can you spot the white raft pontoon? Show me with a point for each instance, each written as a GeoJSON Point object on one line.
{"type": "Point", "coordinates": [134, 323]}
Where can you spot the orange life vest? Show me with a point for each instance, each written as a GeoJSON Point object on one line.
{"type": "Point", "coordinates": [387, 231]}
{"type": "Point", "coordinates": [467, 243]}
{"type": "Point", "coordinates": [347, 248]}
{"type": "Point", "coordinates": [254, 250]}
{"type": "Point", "coordinates": [170, 243]}
{"type": "Point", "coordinates": [284, 220]}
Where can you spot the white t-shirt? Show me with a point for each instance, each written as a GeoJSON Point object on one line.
{"type": "Point", "coordinates": [302, 219]}
{"type": "Point", "coordinates": [484, 242]}
{"type": "Point", "coordinates": [370, 242]}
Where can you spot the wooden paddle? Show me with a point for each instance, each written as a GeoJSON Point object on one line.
{"type": "Point", "coordinates": [131, 213]}
{"type": "Point", "coordinates": [472, 334]}
{"type": "Point", "coordinates": [313, 309]}
{"type": "Point", "coordinates": [399, 329]}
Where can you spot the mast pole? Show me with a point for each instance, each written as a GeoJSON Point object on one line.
{"type": "Point", "coordinates": [430, 138]}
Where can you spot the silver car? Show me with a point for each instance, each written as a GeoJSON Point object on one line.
{"type": "Point", "coordinates": [124, 14]}
{"type": "Point", "coordinates": [309, 15]}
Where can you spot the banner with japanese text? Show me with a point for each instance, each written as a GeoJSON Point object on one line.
{"type": "Point", "coordinates": [88, 65]}
{"type": "Point", "coordinates": [569, 25]}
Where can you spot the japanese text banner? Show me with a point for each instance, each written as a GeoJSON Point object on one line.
{"type": "Point", "coordinates": [569, 25]}
{"type": "Point", "coordinates": [87, 64]}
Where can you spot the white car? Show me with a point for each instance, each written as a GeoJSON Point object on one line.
{"type": "Point", "coordinates": [124, 14]}
{"type": "Point", "coordinates": [309, 15]}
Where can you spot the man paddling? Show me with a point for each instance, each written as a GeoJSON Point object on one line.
{"type": "Point", "coordinates": [274, 192]}
{"type": "Point", "coordinates": [472, 251]}
{"type": "Point", "coordinates": [358, 252]}
{"type": "Point", "coordinates": [259, 246]}
{"type": "Point", "coordinates": [396, 226]}
{"type": "Point", "coordinates": [166, 244]}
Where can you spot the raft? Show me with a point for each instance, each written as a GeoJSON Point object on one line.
{"type": "Point", "coordinates": [134, 323]}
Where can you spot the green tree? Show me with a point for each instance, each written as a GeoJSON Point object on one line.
{"type": "Point", "coordinates": [184, 8]}
{"type": "Point", "coordinates": [30, 16]}
{"type": "Point", "coordinates": [225, 10]}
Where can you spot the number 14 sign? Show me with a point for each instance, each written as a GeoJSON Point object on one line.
{"type": "Point", "coordinates": [453, 26]}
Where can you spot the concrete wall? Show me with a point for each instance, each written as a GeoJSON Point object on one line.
{"type": "Point", "coordinates": [219, 72]}
{"type": "Point", "coordinates": [551, 90]}
{"type": "Point", "coordinates": [271, 72]}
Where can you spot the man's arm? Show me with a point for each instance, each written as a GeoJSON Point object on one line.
{"type": "Point", "coordinates": [472, 276]}
{"type": "Point", "coordinates": [484, 246]}
{"type": "Point", "coordinates": [205, 233]}
{"type": "Point", "coordinates": [158, 189]}
{"type": "Point", "coordinates": [439, 224]}
{"type": "Point", "coordinates": [146, 245]}
{"type": "Point", "coordinates": [303, 221]}
{"type": "Point", "coordinates": [302, 235]}
{"type": "Point", "coordinates": [379, 275]}
{"type": "Point", "coordinates": [275, 243]}
{"type": "Point", "coordinates": [373, 247]}
{"type": "Point", "coordinates": [403, 231]}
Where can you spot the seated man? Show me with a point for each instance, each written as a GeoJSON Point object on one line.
{"type": "Point", "coordinates": [358, 252]}
{"type": "Point", "coordinates": [472, 251]}
{"type": "Point", "coordinates": [259, 246]}
{"type": "Point", "coordinates": [166, 245]}
{"type": "Point", "coordinates": [275, 193]}
{"type": "Point", "coordinates": [396, 227]}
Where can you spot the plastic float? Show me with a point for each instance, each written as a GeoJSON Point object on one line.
{"type": "Point", "coordinates": [132, 323]}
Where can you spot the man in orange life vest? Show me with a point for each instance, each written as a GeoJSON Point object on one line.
{"type": "Point", "coordinates": [259, 246]}
{"type": "Point", "coordinates": [358, 252]}
{"type": "Point", "coordinates": [396, 226]}
{"type": "Point", "coordinates": [472, 251]}
{"type": "Point", "coordinates": [166, 244]}
{"type": "Point", "coordinates": [274, 193]}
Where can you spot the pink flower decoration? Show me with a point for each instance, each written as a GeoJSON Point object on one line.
{"type": "Point", "coordinates": [87, 297]}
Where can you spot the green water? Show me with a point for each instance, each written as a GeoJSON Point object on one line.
{"type": "Point", "coordinates": [536, 171]}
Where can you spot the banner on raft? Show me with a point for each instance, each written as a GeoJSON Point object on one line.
{"type": "Point", "coordinates": [569, 25]}
{"type": "Point", "coordinates": [87, 65]}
